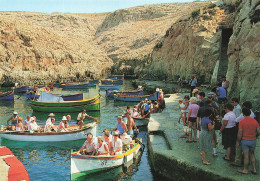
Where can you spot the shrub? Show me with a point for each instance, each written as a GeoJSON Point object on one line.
{"type": "Point", "coordinates": [195, 13]}
{"type": "Point", "coordinates": [212, 5]}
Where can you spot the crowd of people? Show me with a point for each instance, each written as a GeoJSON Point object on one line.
{"type": "Point", "coordinates": [236, 124]}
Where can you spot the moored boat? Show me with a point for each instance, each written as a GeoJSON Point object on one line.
{"type": "Point", "coordinates": [112, 81]}
{"type": "Point", "coordinates": [135, 98]}
{"type": "Point", "coordinates": [74, 134]}
{"type": "Point", "coordinates": [139, 121]}
{"type": "Point", "coordinates": [136, 92]}
{"type": "Point", "coordinates": [21, 89]}
{"type": "Point", "coordinates": [115, 87]}
{"type": "Point", "coordinates": [84, 164]}
{"type": "Point", "coordinates": [67, 97]}
{"type": "Point", "coordinates": [76, 86]}
{"type": "Point", "coordinates": [93, 81]}
{"type": "Point", "coordinates": [116, 77]}
{"type": "Point", "coordinates": [9, 95]}
{"type": "Point", "coordinates": [92, 104]}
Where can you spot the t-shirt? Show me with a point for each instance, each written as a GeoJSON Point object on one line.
{"type": "Point", "coordinates": [61, 125]}
{"type": "Point", "coordinates": [222, 93]}
{"type": "Point", "coordinates": [231, 117]}
{"type": "Point", "coordinates": [239, 118]}
{"type": "Point", "coordinates": [194, 110]}
{"type": "Point", "coordinates": [117, 144]}
{"type": "Point", "coordinates": [193, 82]}
{"type": "Point", "coordinates": [249, 126]}
{"type": "Point", "coordinates": [204, 123]}
{"type": "Point", "coordinates": [80, 115]}
{"type": "Point", "coordinates": [147, 107]}
{"type": "Point", "coordinates": [237, 110]}
{"type": "Point", "coordinates": [90, 147]}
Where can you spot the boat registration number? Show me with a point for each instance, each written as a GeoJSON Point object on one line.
{"type": "Point", "coordinates": [103, 162]}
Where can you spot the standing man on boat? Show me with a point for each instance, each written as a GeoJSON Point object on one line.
{"type": "Point", "coordinates": [81, 117]}
{"type": "Point", "coordinates": [130, 125]}
{"type": "Point", "coordinates": [14, 120]}
{"type": "Point", "coordinates": [121, 126]}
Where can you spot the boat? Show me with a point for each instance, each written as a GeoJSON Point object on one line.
{"type": "Point", "coordinates": [135, 98]}
{"type": "Point", "coordinates": [139, 121]}
{"type": "Point", "coordinates": [92, 104]}
{"type": "Point", "coordinates": [67, 97]}
{"type": "Point", "coordinates": [85, 164]}
{"type": "Point", "coordinates": [74, 134]}
{"type": "Point", "coordinates": [77, 86]}
{"type": "Point", "coordinates": [118, 81]}
{"type": "Point", "coordinates": [9, 95]}
{"type": "Point", "coordinates": [116, 77]}
{"type": "Point", "coordinates": [93, 81]}
{"type": "Point", "coordinates": [136, 92]}
{"type": "Point", "coordinates": [111, 81]}
{"type": "Point", "coordinates": [21, 89]}
{"type": "Point", "coordinates": [114, 87]}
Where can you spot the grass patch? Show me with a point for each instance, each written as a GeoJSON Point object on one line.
{"type": "Point", "coordinates": [195, 13]}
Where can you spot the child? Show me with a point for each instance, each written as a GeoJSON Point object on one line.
{"type": "Point", "coordinates": [181, 107]}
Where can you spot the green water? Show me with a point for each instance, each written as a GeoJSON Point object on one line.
{"type": "Point", "coordinates": [51, 161]}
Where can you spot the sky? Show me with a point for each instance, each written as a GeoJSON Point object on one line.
{"type": "Point", "coordinates": [76, 6]}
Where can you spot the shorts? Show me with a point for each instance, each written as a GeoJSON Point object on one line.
{"type": "Point", "coordinates": [14, 124]}
{"type": "Point", "coordinates": [192, 120]}
{"type": "Point", "coordinates": [248, 145]}
{"type": "Point", "coordinates": [187, 113]}
{"type": "Point", "coordinates": [131, 133]}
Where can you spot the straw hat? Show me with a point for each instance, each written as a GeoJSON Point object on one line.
{"type": "Point", "coordinates": [116, 133]}
{"type": "Point", "coordinates": [51, 114]}
{"type": "Point", "coordinates": [15, 112]}
{"type": "Point", "coordinates": [195, 90]}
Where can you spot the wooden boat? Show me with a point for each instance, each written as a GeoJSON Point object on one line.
{"type": "Point", "coordinates": [9, 95]}
{"type": "Point", "coordinates": [115, 87]}
{"type": "Point", "coordinates": [21, 89]}
{"type": "Point", "coordinates": [92, 104]}
{"type": "Point", "coordinates": [139, 121]}
{"type": "Point", "coordinates": [74, 134]}
{"type": "Point", "coordinates": [93, 81]}
{"type": "Point", "coordinates": [84, 164]}
{"type": "Point", "coordinates": [67, 97]}
{"type": "Point", "coordinates": [135, 98]}
{"type": "Point", "coordinates": [77, 86]}
{"type": "Point", "coordinates": [136, 92]}
{"type": "Point", "coordinates": [116, 77]}
{"type": "Point", "coordinates": [118, 81]}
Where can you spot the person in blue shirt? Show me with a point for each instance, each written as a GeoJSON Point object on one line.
{"type": "Point", "coordinates": [193, 83]}
{"type": "Point", "coordinates": [222, 97]}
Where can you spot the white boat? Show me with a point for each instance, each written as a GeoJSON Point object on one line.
{"type": "Point", "coordinates": [74, 134]}
{"type": "Point", "coordinates": [84, 164]}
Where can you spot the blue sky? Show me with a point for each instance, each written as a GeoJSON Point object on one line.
{"type": "Point", "coordinates": [76, 6]}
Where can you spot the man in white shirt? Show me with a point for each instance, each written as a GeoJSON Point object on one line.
{"type": "Point", "coordinates": [51, 115]}
{"type": "Point", "coordinates": [81, 117]}
{"type": "Point", "coordinates": [237, 109]}
{"type": "Point", "coordinates": [116, 145]}
{"type": "Point", "coordinates": [50, 126]}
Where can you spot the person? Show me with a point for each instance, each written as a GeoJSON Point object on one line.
{"type": "Point", "coordinates": [187, 104]}
{"type": "Point", "coordinates": [161, 101]}
{"type": "Point", "coordinates": [196, 94]}
{"type": "Point", "coordinates": [140, 87]}
{"type": "Point", "coordinates": [50, 126]}
{"type": "Point", "coordinates": [61, 126]}
{"type": "Point", "coordinates": [155, 107]}
{"type": "Point", "coordinates": [89, 146]}
{"type": "Point", "coordinates": [202, 97]}
{"type": "Point", "coordinates": [116, 144]}
{"type": "Point", "coordinates": [130, 125]}
{"type": "Point", "coordinates": [67, 121]}
{"type": "Point", "coordinates": [228, 131]}
{"type": "Point", "coordinates": [237, 109]}
{"type": "Point", "coordinates": [27, 122]}
{"type": "Point", "coordinates": [33, 126]}
{"type": "Point", "coordinates": [81, 117]}
{"type": "Point", "coordinates": [19, 125]}
{"type": "Point", "coordinates": [146, 109]}
{"type": "Point", "coordinates": [107, 138]}
{"type": "Point", "coordinates": [193, 83]}
{"type": "Point", "coordinates": [128, 109]}
{"type": "Point", "coordinates": [127, 141]}
{"type": "Point", "coordinates": [51, 116]}
{"type": "Point", "coordinates": [222, 97]}
{"type": "Point", "coordinates": [225, 83]}
{"type": "Point", "coordinates": [121, 126]}
{"type": "Point", "coordinates": [205, 137]}
{"type": "Point", "coordinates": [248, 131]}
{"type": "Point", "coordinates": [183, 112]}
{"type": "Point", "coordinates": [238, 156]}
{"type": "Point", "coordinates": [135, 114]}
{"type": "Point", "coordinates": [102, 148]}
{"type": "Point", "coordinates": [192, 119]}
{"type": "Point", "coordinates": [14, 120]}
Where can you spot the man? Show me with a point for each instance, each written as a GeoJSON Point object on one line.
{"type": "Point", "coordinates": [202, 97]}
{"type": "Point", "coordinates": [127, 141]}
{"type": "Point", "coordinates": [33, 126]}
{"type": "Point", "coordinates": [51, 116]}
{"type": "Point", "coordinates": [193, 83]}
{"type": "Point", "coordinates": [130, 125]}
{"type": "Point", "coordinates": [225, 83]}
{"type": "Point", "coordinates": [146, 109]}
{"type": "Point", "coordinates": [50, 126]}
{"type": "Point", "coordinates": [222, 97]}
{"type": "Point", "coordinates": [81, 117]}
{"type": "Point", "coordinates": [248, 131]}
{"type": "Point", "coordinates": [237, 109]}
{"type": "Point", "coordinates": [14, 120]}
{"type": "Point", "coordinates": [116, 144]}
{"type": "Point", "coordinates": [121, 126]}
{"type": "Point", "coordinates": [89, 145]}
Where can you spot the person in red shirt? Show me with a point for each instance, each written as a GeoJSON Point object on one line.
{"type": "Point", "coordinates": [248, 131]}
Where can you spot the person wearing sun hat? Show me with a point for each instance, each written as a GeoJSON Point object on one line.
{"type": "Point", "coordinates": [51, 116]}
{"type": "Point", "coordinates": [127, 141]}
{"type": "Point", "coordinates": [14, 120]}
{"type": "Point", "coordinates": [196, 94]}
{"type": "Point", "coordinates": [61, 126]}
{"type": "Point", "coordinates": [116, 144]}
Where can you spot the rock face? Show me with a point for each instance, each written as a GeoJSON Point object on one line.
{"type": "Point", "coordinates": [37, 47]}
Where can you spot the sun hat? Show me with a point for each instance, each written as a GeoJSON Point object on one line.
{"type": "Point", "coordinates": [195, 90]}
{"type": "Point", "coordinates": [116, 133]}
{"type": "Point", "coordinates": [51, 114]}
{"type": "Point", "coordinates": [15, 112]}
{"type": "Point", "coordinates": [34, 118]}
{"type": "Point", "coordinates": [64, 118]}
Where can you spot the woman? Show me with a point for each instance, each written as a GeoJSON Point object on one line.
{"type": "Point", "coordinates": [228, 131]}
{"type": "Point", "coordinates": [67, 121]}
{"type": "Point", "coordinates": [102, 147]}
{"type": "Point", "coordinates": [107, 138]}
{"type": "Point", "coordinates": [161, 101]}
{"type": "Point", "coordinates": [27, 122]}
{"type": "Point", "coordinates": [19, 125]}
{"type": "Point", "coordinates": [192, 119]}
{"type": "Point", "coordinates": [205, 136]}
{"type": "Point", "coordinates": [186, 108]}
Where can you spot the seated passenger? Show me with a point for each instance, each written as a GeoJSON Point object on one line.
{"type": "Point", "coordinates": [107, 138]}
{"type": "Point", "coordinates": [102, 148]}
{"type": "Point", "coordinates": [61, 126]}
{"type": "Point", "coordinates": [135, 114]}
{"type": "Point", "coordinates": [67, 121]}
{"type": "Point", "coordinates": [33, 126]}
{"type": "Point", "coordinates": [127, 142]}
{"type": "Point", "coordinates": [19, 125]}
{"type": "Point", "coordinates": [27, 122]}
{"type": "Point", "coordinates": [50, 126]}
{"type": "Point", "coordinates": [89, 145]}
{"type": "Point", "coordinates": [116, 144]}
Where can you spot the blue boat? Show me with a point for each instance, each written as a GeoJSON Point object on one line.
{"type": "Point", "coordinates": [136, 92]}
{"type": "Point", "coordinates": [21, 89]}
{"type": "Point", "coordinates": [93, 81]}
{"type": "Point", "coordinates": [118, 81]}
{"type": "Point", "coordinates": [116, 77]}
{"type": "Point", "coordinates": [67, 97]}
{"type": "Point", "coordinates": [7, 95]}
{"type": "Point", "coordinates": [78, 86]}
{"type": "Point", "coordinates": [135, 98]}
{"type": "Point", "coordinates": [116, 87]}
{"type": "Point", "coordinates": [111, 81]}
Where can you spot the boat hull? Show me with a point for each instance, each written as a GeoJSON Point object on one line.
{"type": "Point", "coordinates": [111, 93]}
{"type": "Point", "coordinates": [73, 97]}
{"type": "Point", "coordinates": [51, 137]}
{"type": "Point", "coordinates": [21, 89]}
{"type": "Point", "coordinates": [7, 96]}
{"type": "Point", "coordinates": [135, 98]}
{"type": "Point", "coordinates": [83, 165]}
{"type": "Point", "coordinates": [117, 87]}
{"type": "Point", "coordinates": [77, 86]}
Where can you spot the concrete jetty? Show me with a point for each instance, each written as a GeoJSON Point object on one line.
{"type": "Point", "coordinates": [173, 158]}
